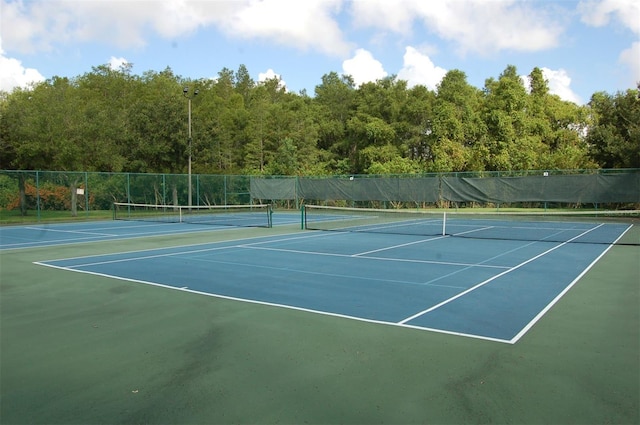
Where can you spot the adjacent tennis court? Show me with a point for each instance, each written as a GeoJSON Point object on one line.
{"type": "Point", "coordinates": [138, 221]}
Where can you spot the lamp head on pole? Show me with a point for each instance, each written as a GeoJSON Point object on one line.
{"type": "Point", "coordinates": [185, 92]}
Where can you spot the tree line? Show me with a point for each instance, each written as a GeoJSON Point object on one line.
{"type": "Point", "coordinates": [116, 121]}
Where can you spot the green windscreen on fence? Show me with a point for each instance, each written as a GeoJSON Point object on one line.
{"type": "Point", "coordinates": [577, 188]}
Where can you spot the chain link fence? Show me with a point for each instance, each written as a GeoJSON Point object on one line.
{"type": "Point", "coordinates": [85, 194]}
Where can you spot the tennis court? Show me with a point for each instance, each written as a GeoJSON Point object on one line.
{"type": "Point", "coordinates": [484, 288]}
{"type": "Point", "coordinates": [131, 226]}
{"type": "Point", "coordinates": [145, 322]}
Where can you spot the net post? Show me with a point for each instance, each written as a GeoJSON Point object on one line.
{"type": "Point", "coordinates": [444, 223]}
{"type": "Point", "coordinates": [302, 213]}
{"type": "Point", "coordinates": [180, 214]}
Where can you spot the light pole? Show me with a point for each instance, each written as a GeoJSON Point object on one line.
{"type": "Point", "coordinates": [186, 94]}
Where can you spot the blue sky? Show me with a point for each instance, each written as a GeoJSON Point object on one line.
{"type": "Point", "coordinates": [582, 46]}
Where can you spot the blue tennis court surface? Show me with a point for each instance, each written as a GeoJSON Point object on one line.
{"type": "Point", "coordinates": [489, 289]}
{"type": "Point", "coordinates": [42, 235]}
{"type": "Point", "coordinates": [39, 235]}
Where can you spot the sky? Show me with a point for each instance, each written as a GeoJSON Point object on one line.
{"type": "Point", "coordinates": [582, 46]}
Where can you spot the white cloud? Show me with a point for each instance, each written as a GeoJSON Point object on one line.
{"type": "Point", "coordinates": [559, 84]}
{"type": "Point", "coordinates": [35, 26]}
{"type": "Point", "coordinates": [13, 74]}
{"type": "Point", "coordinates": [631, 58]}
{"type": "Point", "coordinates": [418, 69]}
{"type": "Point", "coordinates": [270, 75]}
{"type": "Point", "coordinates": [599, 13]}
{"type": "Point", "coordinates": [21, 29]}
{"type": "Point", "coordinates": [305, 24]}
{"type": "Point", "coordinates": [117, 63]}
{"type": "Point", "coordinates": [390, 15]}
{"type": "Point", "coordinates": [43, 25]}
{"type": "Point", "coordinates": [181, 17]}
{"type": "Point", "coordinates": [482, 27]}
{"type": "Point", "coordinates": [363, 67]}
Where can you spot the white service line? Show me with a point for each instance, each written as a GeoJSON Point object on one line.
{"type": "Point", "coordinates": [397, 260]}
{"type": "Point", "coordinates": [80, 232]}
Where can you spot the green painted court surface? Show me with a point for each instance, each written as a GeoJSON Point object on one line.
{"type": "Point", "coordinates": [90, 348]}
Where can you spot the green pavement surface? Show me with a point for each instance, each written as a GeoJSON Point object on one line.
{"type": "Point", "coordinates": [85, 349]}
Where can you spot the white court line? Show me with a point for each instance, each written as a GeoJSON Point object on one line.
{"type": "Point", "coordinates": [403, 223]}
{"type": "Point", "coordinates": [481, 264]}
{"type": "Point", "coordinates": [481, 284]}
{"type": "Point", "coordinates": [367, 228]}
{"type": "Point", "coordinates": [314, 273]}
{"type": "Point", "coordinates": [80, 232]}
{"type": "Point", "coordinates": [397, 260]}
{"type": "Point", "coordinates": [147, 257]}
{"type": "Point", "coordinates": [54, 242]}
{"type": "Point", "coordinates": [285, 306]}
{"type": "Point", "coordinates": [169, 254]}
{"type": "Point", "coordinates": [398, 246]}
{"type": "Point", "coordinates": [127, 236]}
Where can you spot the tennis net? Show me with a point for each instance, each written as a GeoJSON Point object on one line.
{"type": "Point", "coordinates": [219, 215]}
{"type": "Point", "coordinates": [598, 227]}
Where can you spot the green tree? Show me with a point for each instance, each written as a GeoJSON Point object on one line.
{"type": "Point", "coordinates": [103, 102]}
{"type": "Point", "coordinates": [263, 130]}
{"type": "Point", "coordinates": [334, 107]}
{"type": "Point", "coordinates": [302, 130]}
{"type": "Point", "coordinates": [614, 137]}
{"type": "Point", "coordinates": [554, 130]}
{"type": "Point", "coordinates": [44, 132]}
{"type": "Point", "coordinates": [158, 125]}
{"type": "Point", "coordinates": [378, 120]}
{"type": "Point", "coordinates": [111, 120]}
{"type": "Point", "coordinates": [386, 159]}
{"type": "Point", "coordinates": [222, 118]}
{"type": "Point", "coordinates": [244, 84]}
{"type": "Point", "coordinates": [285, 162]}
{"type": "Point", "coordinates": [41, 125]}
{"type": "Point", "coordinates": [457, 131]}
{"type": "Point", "coordinates": [505, 118]}
{"type": "Point", "coordinates": [415, 129]}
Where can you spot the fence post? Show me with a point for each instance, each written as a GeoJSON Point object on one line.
{"type": "Point", "coordinates": [86, 193]}
{"type": "Point", "coordinates": [224, 183]}
{"type": "Point", "coordinates": [295, 190]}
{"type": "Point", "coordinates": [38, 195]}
